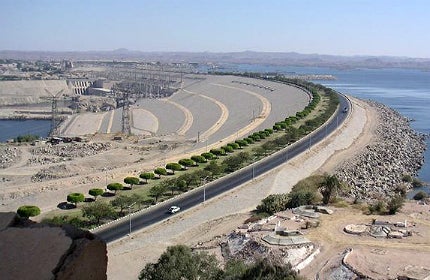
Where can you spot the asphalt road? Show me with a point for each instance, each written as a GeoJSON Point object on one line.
{"type": "Point", "coordinates": [159, 212]}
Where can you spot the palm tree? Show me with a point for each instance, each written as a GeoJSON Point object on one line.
{"type": "Point", "coordinates": [329, 186]}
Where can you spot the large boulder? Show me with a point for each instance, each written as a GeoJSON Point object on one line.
{"type": "Point", "coordinates": [39, 251]}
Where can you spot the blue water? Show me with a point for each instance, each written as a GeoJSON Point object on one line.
{"type": "Point", "coordinates": [10, 129]}
{"type": "Point", "coordinates": [405, 90]}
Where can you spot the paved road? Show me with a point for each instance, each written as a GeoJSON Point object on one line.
{"type": "Point", "coordinates": [186, 201]}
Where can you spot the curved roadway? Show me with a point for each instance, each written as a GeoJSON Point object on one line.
{"type": "Point", "coordinates": [157, 213]}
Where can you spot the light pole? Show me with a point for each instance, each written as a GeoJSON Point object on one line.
{"type": "Point", "coordinates": [129, 215]}
{"type": "Point", "coordinates": [204, 188]}
{"type": "Point", "coordinates": [106, 181]}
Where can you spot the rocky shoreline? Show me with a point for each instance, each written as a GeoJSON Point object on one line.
{"type": "Point", "coordinates": [379, 170]}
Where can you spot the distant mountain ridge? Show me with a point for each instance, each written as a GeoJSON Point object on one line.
{"type": "Point", "coordinates": [274, 58]}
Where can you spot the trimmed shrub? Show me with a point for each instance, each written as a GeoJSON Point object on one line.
{"type": "Point", "coordinates": [268, 130]}
{"type": "Point", "coordinates": [199, 159]}
{"type": "Point", "coordinates": [277, 127]}
{"type": "Point", "coordinates": [228, 149]}
{"type": "Point", "coordinates": [131, 181]}
{"type": "Point", "coordinates": [208, 156]}
{"type": "Point", "coordinates": [187, 162]}
{"type": "Point", "coordinates": [174, 166]}
{"type": "Point", "coordinates": [160, 171]}
{"type": "Point", "coordinates": [75, 198]}
{"type": "Point", "coordinates": [27, 211]}
{"type": "Point", "coordinates": [115, 187]}
{"type": "Point", "coordinates": [95, 192]}
{"type": "Point", "coordinates": [242, 143]}
{"type": "Point", "coordinates": [234, 145]}
{"type": "Point", "coordinates": [218, 152]}
{"type": "Point", "coordinates": [147, 176]}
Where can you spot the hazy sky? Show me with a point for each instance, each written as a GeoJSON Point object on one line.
{"type": "Point", "coordinates": [343, 27]}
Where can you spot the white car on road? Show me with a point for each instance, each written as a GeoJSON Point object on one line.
{"type": "Point", "coordinates": [174, 209]}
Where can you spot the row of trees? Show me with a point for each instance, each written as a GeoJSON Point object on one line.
{"type": "Point", "coordinates": [231, 163]}
{"type": "Point", "coordinates": [213, 169]}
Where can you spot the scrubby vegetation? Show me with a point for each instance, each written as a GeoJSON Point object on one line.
{"type": "Point", "coordinates": [26, 138]}
{"type": "Point", "coordinates": [180, 262]}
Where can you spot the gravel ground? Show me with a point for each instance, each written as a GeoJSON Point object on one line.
{"type": "Point", "coordinates": [170, 118]}
{"type": "Point", "coordinates": [143, 120]}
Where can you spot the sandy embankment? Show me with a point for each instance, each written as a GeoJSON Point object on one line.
{"type": "Point", "coordinates": [225, 213]}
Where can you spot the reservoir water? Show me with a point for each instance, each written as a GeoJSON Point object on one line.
{"type": "Point", "coordinates": [10, 129]}
{"type": "Point", "coordinates": [405, 90]}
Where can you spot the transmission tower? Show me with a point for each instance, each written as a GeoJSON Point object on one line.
{"type": "Point", "coordinates": [55, 120]}
{"type": "Point", "coordinates": [125, 120]}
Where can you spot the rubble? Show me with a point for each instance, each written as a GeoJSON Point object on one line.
{"type": "Point", "coordinates": [379, 169]}
{"type": "Point", "coordinates": [52, 172]}
{"type": "Point", "coordinates": [65, 152]}
{"type": "Point", "coordinates": [9, 155]}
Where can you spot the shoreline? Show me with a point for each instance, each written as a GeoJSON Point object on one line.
{"type": "Point", "coordinates": [25, 118]}
{"type": "Point", "coordinates": [379, 169]}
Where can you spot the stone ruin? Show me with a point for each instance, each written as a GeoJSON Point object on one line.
{"type": "Point", "coordinates": [380, 229]}
{"type": "Point", "coordinates": [278, 238]}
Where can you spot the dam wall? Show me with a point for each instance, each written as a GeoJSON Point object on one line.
{"type": "Point", "coordinates": [29, 92]}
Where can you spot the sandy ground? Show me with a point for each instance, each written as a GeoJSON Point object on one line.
{"type": "Point", "coordinates": [224, 213]}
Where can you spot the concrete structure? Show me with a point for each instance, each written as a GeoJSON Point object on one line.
{"type": "Point", "coordinates": [79, 86]}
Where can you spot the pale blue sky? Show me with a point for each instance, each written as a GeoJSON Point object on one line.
{"type": "Point", "coordinates": [343, 27]}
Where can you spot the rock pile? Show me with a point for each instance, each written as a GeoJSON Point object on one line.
{"type": "Point", "coordinates": [52, 172]}
{"type": "Point", "coordinates": [379, 169]}
{"type": "Point", "coordinates": [8, 155]}
{"type": "Point", "coordinates": [237, 246]}
{"type": "Point", "coordinates": [59, 153]}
